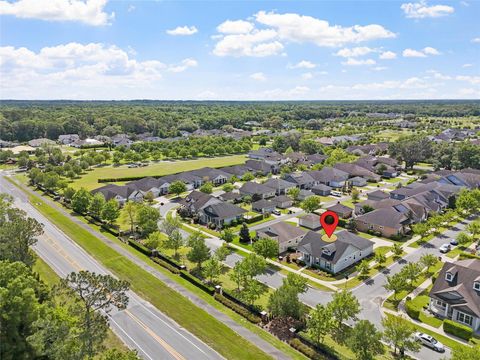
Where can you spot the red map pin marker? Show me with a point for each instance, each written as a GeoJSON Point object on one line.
{"type": "Point", "coordinates": [329, 221]}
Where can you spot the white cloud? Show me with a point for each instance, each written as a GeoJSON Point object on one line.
{"type": "Point", "coordinates": [93, 70]}
{"type": "Point", "coordinates": [258, 43]}
{"type": "Point", "coordinates": [476, 40]}
{"type": "Point", "coordinates": [183, 30]}
{"type": "Point", "coordinates": [131, 8]}
{"type": "Point", "coordinates": [307, 76]}
{"type": "Point", "coordinates": [258, 76]}
{"type": "Point", "coordinates": [90, 12]}
{"type": "Point", "coordinates": [354, 52]}
{"type": "Point", "coordinates": [464, 3]}
{"type": "Point", "coordinates": [184, 65]}
{"type": "Point", "coordinates": [301, 28]}
{"type": "Point", "coordinates": [439, 76]}
{"type": "Point", "coordinates": [467, 65]}
{"type": "Point", "coordinates": [304, 64]}
{"type": "Point", "coordinates": [235, 27]}
{"type": "Point", "coordinates": [357, 62]}
{"type": "Point", "coordinates": [421, 10]}
{"type": "Point", "coordinates": [242, 38]}
{"type": "Point", "coordinates": [380, 68]}
{"type": "Point", "coordinates": [387, 55]}
{"type": "Point", "coordinates": [475, 80]}
{"type": "Point", "coordinates": [420, 53]}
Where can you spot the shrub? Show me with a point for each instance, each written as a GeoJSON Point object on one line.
{"type": "Point", "coordinates": [197, 282]}
{"type": "Point", "coordinates": [166, 265]}
{"type": "Point", "coordinates": [247, 314]}
{"type": "Point", "coordinates": [412, 310]}
{"type": "Point", "coordinates": [304, 349]}
{"type": "Point", "coordinates": [458, 330]}
{"type": "Point", "coordinates": [139, 247]}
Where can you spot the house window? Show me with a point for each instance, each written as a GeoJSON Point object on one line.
{"type": "Point", "coordinates": [464, 318]}
{"type": "Point", "coordinates": [476, 285]}
{"type": "Point", "coordinates": [448, 276]}
{"type": "Point", "coordinates": [441, 303]}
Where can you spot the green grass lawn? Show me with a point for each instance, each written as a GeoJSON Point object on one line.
{"type": "Point", "coordinates": [206, 327]}
{"type": "Point", "coordinates": [420, 302]}
{"type": "Point", "coordinates": [90, 179]}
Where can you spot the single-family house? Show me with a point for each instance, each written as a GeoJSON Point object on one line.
{"type": "Point", "coordinates": [280, 186]}
{"type": "Point", "coordinates": [263, 206]}
{"type": "Point", "coordinates": [256, 191]}
{"type": "Point", "coordinates": [231, 197]}
{"type": "Point", "coordinates": [150, 184]}
{"type": "Point", "coordinates": [261, 167]}
{"type": "Point", "coordinates": [68, 139]}
{"type": "Point", "coordinates": [301, 180]}
{"type": "Point", "coordinates": [287, 235]}
{"type": "Point", "coordinates": [221, 214]}
{"type": "Point", "coordinates": [40, 142]}
{"type": "Point", "coordinates": [121, 194]}
{"type": "Point", "coordinates": [377, 195]}
{"type": "Point", "coordinates": [197, 200]}
{"type": "Point", "coordinates": [358, 181]}
{"type": "Point", "coordinates": [335, 256]}
{"type": "Point", "coordinates": [455, 294]}
{"type": "Point", "coordinates": [303, 194]}
{"type": "Point", "coordinates": [341, 210]}
{"type": "Point", "coordinates": [236, 170]}
{"type": "Point", "coordinates": [321, 190]}
{"type": "Point", "coordinates": [354, 170]}
{"type": "Point", "coordinates": [387, 221]}
{"type": "Point", "coordinates": [310, 221]}
{"type": "Point", "coordinates": [282, 201]}
{"type": "Point", "coordinates": [332, 177]}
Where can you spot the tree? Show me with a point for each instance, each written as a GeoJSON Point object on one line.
{"type": "Point", "coordinates": [355, 195]}
{"type": "Point", "coordinates": [68, 193]}
{"type": "Point", "coordinates": [147, 219]}
{"type": "Point", "coordinates": [154, 240]}
{"type": "Point", "coordinates": [17, 233]}
{"type": "Point", "coordinates": [206, 188]}
{"type": "Point", "coordinates": [344, 306]}
{"type": "Point", "coordinates": [365, 340]}
{"type": "Point", "coordinates": [19, 308]}
{"type": "Point", "coordinates": [227, 187]}
{"type": "Point", "coordinates": [174, 241]}
{"type": "Point", "coordinates": [421, 229]}
{"type": "Point", "coordinates": [411, 271]}
{"type": "Point", "coordinates": [228, 235]}
{"type": "Point", "coordinates": [149, 197]}
{"type": "Point", "coordinates": [411, 149]}
{"type": "Point", "coordinates": [177, 187]}
{"type": "Point", "coordinates": [339, 156]}
{"type": "Point", "coordinates": [428, 260]}
{"type": "Point", "coordinates": [319, 323]}
{"type": "Point", "coordinates": [463, 238]}
{"type": "Point", "coordinates": [363, 268]}
{"type": "Point", "coordinates": [466, 353]}
{"type": "Point", "coordinates": [253, 291]}
{"type": "Point", "coordinates": [96, 205]}
{"type": "Point", "coordinates": [95, 292]}
{"type": "Point", "coordinates": [212, 269]}
{"type": "Point", "coordinates": [170, 224]}
{"type": "Point", "coordinates": [222, 252]}
{"type": "Point", "coordinates": [293, 193]}
{"type": "Point", "coordinates": [311, 203]}
{"type": "Point", "coordinates": [380, 258]}
{"type": "Point", "coordinates": [396, 283]}
{"type": "Point", "coordinates": [110, 211]}
{"type": "Point", "coordinates": [397, 250]}
{"type": "Point", "coordinates": [284, 301]}
{"type": "Point", "coordinates": [199, 251]}
{"type": "Point", "coordinates": [266, 247]}
{"type": "Point", "coordinates": [474, 228]}
{"type": "Point", "coordinates": [398, 332]}
{"type": "Point", "coordinates": [468, 201]}
{"type": "Point", "coordinates": [81, 201]}
{"type": "Point", "coordinates": [244, 271]}
{"type": "Point", "coordinates": [248, 176]}
{"type": "Point", "coordinates": [367, 208]}
{"type": "Point", "coordinates": [115, 354]}
{"type": "Point", "coordinates": [244, 234]}
{"type": "Point", "coordinates": [131, 209]}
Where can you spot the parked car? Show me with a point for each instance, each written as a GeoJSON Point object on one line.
{"type": "Point", "coordinates": [336, 193]}
{"type": "Point", "coordinates": [454, 242]}
{"type": "Point", "coordinates": [429, 341]}
{"type": "Point", "coordinates": [276, 212]}
{"type": "Point", "coordinates": [132, 165]}
{"type": "Point", "coordinates": [445, 248]}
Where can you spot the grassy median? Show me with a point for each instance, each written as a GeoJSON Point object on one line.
{"type": "Point", "coordinates": [211, 331]}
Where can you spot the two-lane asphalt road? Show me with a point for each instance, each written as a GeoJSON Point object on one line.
{"type": "Point", "coordinates": [141, 326]}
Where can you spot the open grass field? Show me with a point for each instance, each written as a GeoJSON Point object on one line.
{"type": "Point", "coordinates": [90, 179]}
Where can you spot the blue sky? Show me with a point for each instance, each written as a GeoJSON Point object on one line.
{"type": "Point", "coordinates": [239, 50]}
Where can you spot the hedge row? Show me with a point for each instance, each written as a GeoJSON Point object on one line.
{"type": "Point", "coordinates": [197, 282]}
{"type": "Point", "coordinates": [143, 249]}
{"type": "Point", "coordinates": [247, 314]}
{"type": "Point", "coordinates": [458, 330]}
{"type": "Point", "coordinates": [305, 349]}
{"type": "Point", "coordinates": [166, 265]}
{"type": "Point", "coordinates": [412, 310]}
{"type": "Point", "coordinates": [321, 351]}
{"type": "Point", "coordinates": [465, 255]}
{"type": "Point", "coordinates": [254, 219]}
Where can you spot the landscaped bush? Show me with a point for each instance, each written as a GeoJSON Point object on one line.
{"type": "Point", "coordinates": [465, 255]}
{"type": "Point", "coordinates": [458, 330]}
{"type": "Point", "coordinates": [412, 310]}
{"type": "Point", "coordinates": [166, 265]}
{"type": "Point", "coordinates": [247, 314]}
{"type": "Point", "coordinates": [305, 349]}
{"type": "Point", "coordinates": [254, 219]}
{"type": "Point", "coordinates": [197, 282]}
{"type": "Point", "coordinates": [139, 247]}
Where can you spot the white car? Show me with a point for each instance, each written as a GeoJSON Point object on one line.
{"type": "Point", "coordinates": [429, 341]}
{"type": "Point", "coordinates": [445, 248]}
{"type": "Point", "coordinates": [336, 193]}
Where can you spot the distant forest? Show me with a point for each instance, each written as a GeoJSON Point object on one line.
{"type": "Point", "coordinates": [25, 120]}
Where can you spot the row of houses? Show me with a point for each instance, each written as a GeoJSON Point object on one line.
{"type": "Point", "coordinates": [392, 214]}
